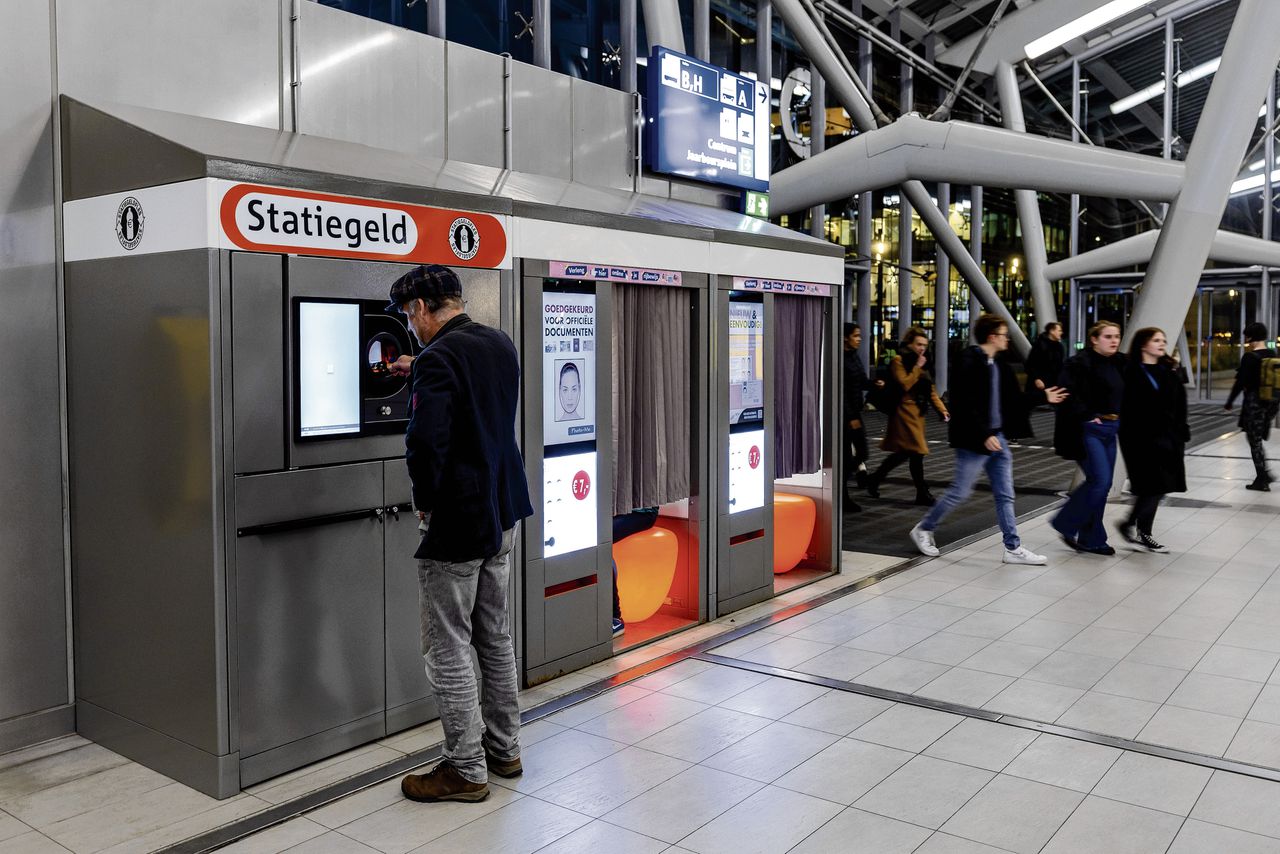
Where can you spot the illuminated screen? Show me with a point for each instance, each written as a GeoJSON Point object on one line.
{"type": "Point", "coordinates": [746, 470]}
{"type": "Point", "coordinates": [328, 368]}
{"type": "Point", "coordinates": [569, 503]}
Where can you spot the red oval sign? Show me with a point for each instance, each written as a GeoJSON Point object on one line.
{"type": "Point", "coordinates": [581, 485]}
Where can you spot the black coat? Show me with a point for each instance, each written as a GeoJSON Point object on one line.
{"type": "Point", "coordinates": [461, 442]}
{"type": "Point", "coordinates": [1154, 431]}
{"type": "Point", "coordinates": [969, 399]}
{"type": "Point", "coordinates": [1080, 379]}
{"type": "Point", "coordinates": [1045, 361]}
{"type": "Point", "coordinates": [855, 386]}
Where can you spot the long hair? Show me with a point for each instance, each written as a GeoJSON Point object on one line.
{"type": "Point", "coordinates": [1143, 337]}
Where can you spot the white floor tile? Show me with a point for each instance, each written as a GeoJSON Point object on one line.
{"type": "Point", "coordinates": [1014, 814]}
{"type": "Point", "coordinates": [1244, 803]}
{"type": "Point", "coordinates": [987, 624]}
{"type": "Point", "coordinates": [1006, 659]}
{"type": "Point", "coordinates": [844, 771]}
{"type": "Point", "coordinates": [946, 648]}
{"type": "Point", "coordinates": [1100, 826]}
{"type": "Point", "coordinates": [769, 821]}
{"type": "Point", "coordinates": [1064, 762]}
{"type": "Point", "coordinates": [982, 744]}
{"type": "Point", "coordinates": [558, 757]}
{"type": "Point", "coordinates": [902, 674]}
{"type": "Point", "coordinates": [611, 782]}
{"type": "Point", "coordinates": [1071, 669]}
{"type": "Point", "coordinates": [1188, 729]}
{"type": "Point", "coordinates": [774, 698]}
{"type": "Point", "coordinates": [1257, 743]}
{"type": "Point", "coordinates": [925, 791]}
{"type": "Point", "coordinates": [1155, 783]}
{"type": "Point", "coordinates": [282, 837]}
{"type": "Point", "coordinates": [843, 663]}
{"type": "Point", "coordinates": [1037, 701]}
{"type": "Point", "coordinates": [838, 712]}
{"type": "Point", "coordinates": [715, 685]}
{"type": "Point", "coordinates": [519, 828]}
{"type": "Point", "coordinates": [599, 836]}
{"type": "Point", "coordinates": [706, 733]}
{"type": "Point", "coordinates": [1108, 715]}
{"type": "Point", "coordinates": [1252, 664]}
{"type": "Point", "coordinates": [1198, 837]}
{"type": "Point", "coordinates": [773, 751]}
{"type": "Point", "coordinates": [672, 810]}
{"type": "Point", "coordinates": [857, 832]}
{"type": "Point", "coordinates": [965, 687]}
{"type": "Point", "coordinates": [909, 728]}
{"type": "Point", "coordinates": [405, 825]}
{"type": "Point", "coordinates": [1141, 681]}
{"type": "Point", "coordinates": [1221, 695]}
{"type": "Point", "coordinates": [637, 721]}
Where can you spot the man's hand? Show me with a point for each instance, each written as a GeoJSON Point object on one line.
{"type": "Point", "coordinates": [1055, 394]}
{"type": "Point", "coordinates": [1227, 407]}
{"type": "Point", "coordinates": [924, 360]}
{"type": "Point", "coordinates": [879, 383]}
{"type": "Point", "coordinates": [993, 444]}
{"type": "Point", "coordinates": [946, 416]}
{"type": "Point", "coordinates": [1040, 384]}
{"type": "Point", "coordinates": [855, 424]}
{"type": "Point", "coordinates": [401, 367]}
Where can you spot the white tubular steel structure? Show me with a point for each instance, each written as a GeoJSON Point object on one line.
{"type": "Point", "coordinates": [1227, 246]}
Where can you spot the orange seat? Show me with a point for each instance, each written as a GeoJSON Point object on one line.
{"type": "Point", "coordinates": [646, 566]}
{"type": "Point", "coordinates": [794, 518]}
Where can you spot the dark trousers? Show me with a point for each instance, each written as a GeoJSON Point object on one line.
{"type": "Point", "coordinates": [897, 458]}
{"type": "Point", "coordinates": [855, 450]}
{"type": "Point", "coordinates": [624, 525]}
{"type": "Point", "coordinates": [1143, 515]}
{"type": "Point", "coordinates": [1081, 517]}
{"type": "Point", "coordinates": [1257, 417]}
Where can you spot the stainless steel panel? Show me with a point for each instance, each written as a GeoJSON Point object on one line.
{"type": "Point", "coordinates": [257, 341]}
{"type": "Point", "coordinates": [33, 608]}
{"type": "Point", "coordinates": [476, 104]}
{"type": "Point", "coordinates": [309, 625]}
{"type": "Point", "coordinates": [369, 82]}
{"type": "Point", "coordinates": [542, 135]}
{"type": "Point", "coordinates": [214, 58]}
{"type": "Point", "coordinates": [279, 760]}
{"type": "Point", "coordinates": [603, 136]}
{"type": "Point", "coordinates": [145, 481]}
{"type": "Point", "coordinates": [285, 496]}
{"type": "Point", "coordinates": [571, 620]}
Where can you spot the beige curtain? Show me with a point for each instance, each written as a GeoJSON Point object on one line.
{"type": "Point", "coordinates": [651, 389]}
{"type": "Point", "coordinates": [798, 329]}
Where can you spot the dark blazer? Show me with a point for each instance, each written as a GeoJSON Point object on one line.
{"type": "Point", "coordinates": [1154, 431]}
{"type": "Point", "coordinates": [855, 386]}
{"type": "Point", "coordinates": [1045, 361]}
{"type": "Point", "coordinates": [461, 442]}
{"type": "Point", "coordinates": [969, 396]}
{"type": "Point", "coordinates": [1087, 400]}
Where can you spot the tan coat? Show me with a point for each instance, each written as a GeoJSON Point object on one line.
{"type": "Point", "coordinates": [906, 430]}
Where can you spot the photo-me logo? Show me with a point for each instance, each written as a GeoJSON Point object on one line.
{"type": "Point", "coordinates": [129, 223]}
{"type": "Point", "coordinates": [464, 238]}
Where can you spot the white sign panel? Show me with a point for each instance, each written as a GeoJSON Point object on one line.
{"type": "Point", "coordinates": [746, 470]}
{"type": "Point", "coordinates": [568, 503]}
{"type": "Point", "coordinates": [568, 368]}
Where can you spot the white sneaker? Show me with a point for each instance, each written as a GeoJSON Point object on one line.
{"type": "Point", "coordinates": [1023, 555]}
{"type": "Point", "coordinates": [924, 541]}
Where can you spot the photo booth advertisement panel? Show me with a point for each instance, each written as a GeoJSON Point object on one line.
{"type": "Point", "coordinates": [568, 421]}
{"type": "Point", "coordinates": [746, 405]}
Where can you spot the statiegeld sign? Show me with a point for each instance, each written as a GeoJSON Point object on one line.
{"type": "Point", "coordinates": [275, 219]}
{"type": "Point", "coordinates": [706, 123]}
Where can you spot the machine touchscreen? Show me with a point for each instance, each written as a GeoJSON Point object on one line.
{"type": "Point", "coordinates": [328, 368]}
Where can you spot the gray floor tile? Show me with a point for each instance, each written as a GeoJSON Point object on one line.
{"type": "Point", "coordinates": [1132, 619]}
{"type": "Point", "coordinates": [902, 674]}
{"type": "Point", "coordinates": [1064, 762]}
{"type": "Point", "coordinates": [1100, 826]}
{"type": "Point", "coordinates": [1006, 659]}
{"type": "Point", "coordinates": [1155, 783]}
{"type": "Point", "coordinates": [715, 685]}
{"type": "Point", "coordinates": [611, 782]}
{"type": "Point", "coordinates": [844, 663]}
{"type": "Point", "coordinates": [1198, 837]}
{"type": "Point", "coordinates": [1257, 743]}
{"type": "Point", "coordinates": [558, 757]}
{"type": "Point", "coordinates": [1188, 729]}
{"type": "Point", "coordinates": [774, 698]}
{"type": "Point", "coordinates": [1072, 669]}
{"type": "Point", "coordinates": [857, 832]}
{"type": "Point", "coordinates": [946, 648]}
{"type": "Point", "coordinates": [1169, 652]}
{"type": "Point", "coordinates": [925, 791]}
{"type": "Point", "coordinates": [282, 837]}
{"type": "Point", "coordinates": [1014, 814]}
{"type": "Point", "coordinates": [1141, 681]}
{"type": "Point", "coordinates": [845, 771]}
{"type": "Point", "coordinates": [331, 842]}
{"type": "Point", "coordinates": [519, 828]}
{"type": "Point", "coordinates": [987, 624]}
{"type": "Point", "coordinates": [773, 751]}
{"type": "Point", "coordinates": [1109, 715]}
{"type": "Point", "coordinates": [600, 836]}
{"type": "Point", "coordinates": [580, 713]}
{"type": "Point", "coordinates": [1252, 636]}
{"type": "Point", "coordinates": [1187, 627]}
{"type": "Point", "coordinates": [891, 638]}
{"type": "Point", "coordinates": [672, 810]}
{"type": "Point", "coordinates": [945, 843]}
{"type": "Point", "coordinates": [771, 820]}
{"type": "Point", "coordinates": [679, 671]}
{"type": "Point", "coordinates": [887, 607]}
{"type": "Point", "coordinates": [1221, 695]}
{"type": "Point", "coordinates": [1076, 610]}
{"type": "Point", "coordinates": [1267, 707]}
{"type": "Point", "coordinates": [31, 843]}
{"type": "Point", "coordinates": [93, 791]}
{"type": "Point", "coordinates": [838, 712]}
{"type": "Point", "coordinates": [33, 775]}
{"type": "Point", "coordinates": [924, 589]}
{"type": "Point", "coordinates": [1252, 664]}
{"type": "Point", "coordinates": [637, 721]}
{"type": "Point", "coordinates": [966, 687]}
{"type": "Point", "coordinates": [907, 728]}
{"type": "Point", "coordinates": [11, 827]}
{"type": "Point", "coordinates": [982, 744]}
{"type": "Point", "coordinates": [837, 629]}
{"type": "Point", "coordinates": [785, 652]}
{"type": "Point", "coordinates": [706, 733]}
{"type": "Point", "coordinates": [932, 615]}
{"type": "Point", "coordinates": [1245, 803]}
{"type": "Point", "coordinates": [1043, 633]}
{"type": "Point", "coordinates": [405, 825]}
{"type": "Point", "coordinates": [1038, 701]}
{"type": "Point", "coordinates": [1105, 643]}
{"type": "Point", "coordinates": [362, 803]}
{"type": "Point", "coordinates": [1021, 604]}
{"type": "Point", "coordinates": [970, 597]}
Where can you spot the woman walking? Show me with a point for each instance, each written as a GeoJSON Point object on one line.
{"type": "Point", "coordinates": [1085, 430]}
{"type": "Point", "coordinates": [905, 438]}
{"type": "Point", "coordinates": [1259, 408]}
{"type": "Point", "coordinates": [1153, 433]}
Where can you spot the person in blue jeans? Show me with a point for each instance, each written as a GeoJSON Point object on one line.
{"type": "Point", "coordinates": [1087, 429]}
{"type": "Point", "coordinates": [987, 408]}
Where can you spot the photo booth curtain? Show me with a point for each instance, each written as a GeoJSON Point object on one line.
{"type": "Point", "coordinates": [797, 370]}
{"type": "Point", "coordinates": [651, 375]}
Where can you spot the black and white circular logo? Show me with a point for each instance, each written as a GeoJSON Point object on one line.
{"type": "Point", "coordinates": [129, 223]}
{"type": "Point", "coordinates": [464, 238]}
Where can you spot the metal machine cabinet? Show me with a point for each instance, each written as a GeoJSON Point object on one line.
{"type": "Point", "coordinates": [409, 697]}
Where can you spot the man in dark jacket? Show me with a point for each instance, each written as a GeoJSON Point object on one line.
{"type": "Point", "coordinates": [1044, 363]}
{"type": "Point", "coordinates": [1257, 414]}
{"type": "Point", "coordinates": [854, 435]}
{"type": "Point", "coordinates": [469, 490]}
{"type": "Point", "coordinates": [987, 407]}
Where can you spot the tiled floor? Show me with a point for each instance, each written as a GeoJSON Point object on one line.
{"type": "Point", "coordinates": [71, 795]}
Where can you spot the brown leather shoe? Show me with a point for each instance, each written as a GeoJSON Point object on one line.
{"type": "Point", "coordinates": [443, 783]}
{"type": "Point", "coordinates": [506, 770]}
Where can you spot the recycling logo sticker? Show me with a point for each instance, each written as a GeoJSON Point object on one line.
{"type": "Point", "coordinates": [129, 223]}
{"type": "Point", "coordinates": [464, 238]}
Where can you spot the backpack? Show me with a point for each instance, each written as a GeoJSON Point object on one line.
{"type": "Point", "coordinates": [1269, 379]}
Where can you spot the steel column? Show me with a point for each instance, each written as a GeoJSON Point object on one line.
{"type": "Point", "coordinates": [662, 24]}
{"type": "Point", "coordinates": [627, 30]}
{"type": "Point", "coordinates": [1265, 301]}
{"type": "Point", "coordinates": [1073, 234]}
{"type": "Point", "coordinates": [975, 249]}
{"type": "Point", "coordinates": [702, 29]}
{"type": "Point", "coordinates": [436, 16]}
{"type": "Point", "coordinates": [906, 253]}
{"type": "Point", "coordinates": [866, 211]}
{"type": "Point", "coordinates": [942, 302]}
{"type": "Point", "coordinates": [817, 141]}
{"type": "Point", "coordinates": [1037, 257]}
{"type": "Point", "coordinates": [1228, 120]}
{"type": "Point", "coordinates": [764, 43]}
{"type": "Point", "coordinates": [542, 33]}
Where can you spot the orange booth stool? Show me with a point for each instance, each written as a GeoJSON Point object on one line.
{"type": "Point", "coordinates": [646, 566]}
{"type": "Point", "coordinates": [794, 518]}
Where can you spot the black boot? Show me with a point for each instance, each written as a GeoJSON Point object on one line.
{"type": "Point", "coordinates": [1259, 485]}
{"type": "Point", "coordinates": [924, 497]}
{"type": "Point", "coordinates": [873, 485]}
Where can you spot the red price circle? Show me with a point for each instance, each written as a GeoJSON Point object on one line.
{"type": "Point", "coordinates": [753, 457]}
{"type": "Point", "coordinates": [581, 485]}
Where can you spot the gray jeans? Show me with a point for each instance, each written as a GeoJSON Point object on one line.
{"type": "Point", "coordinates": [464, 605]}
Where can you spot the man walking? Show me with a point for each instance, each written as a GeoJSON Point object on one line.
{"type": "Point", "coordinates": [1044, 363]}
{"type": "Point", "coordinates": [986, 407]}
{"type": "Point", "coordinates": [469, 490]}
